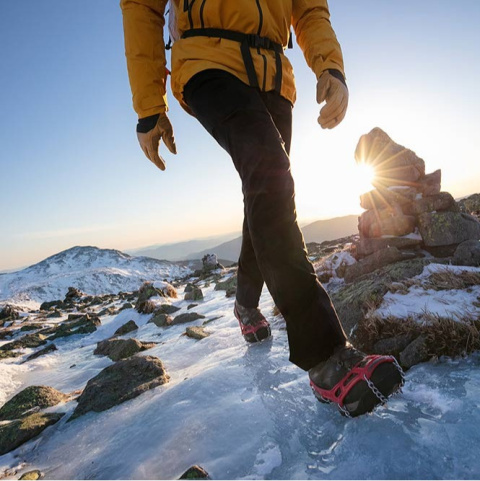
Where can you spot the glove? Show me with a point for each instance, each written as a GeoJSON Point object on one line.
{"type": "Point", "coordinates": [331, 88]}
{"type": "Point", "coordinates": [150, 131]}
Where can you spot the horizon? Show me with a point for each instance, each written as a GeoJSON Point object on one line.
{"type": "Point", "coordinates": [130, 251]}
{"type": "Point", "coordinates": [73, 173]}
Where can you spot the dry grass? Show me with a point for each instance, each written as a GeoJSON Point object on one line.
{"type": "Point", "coordinates": [445, 336]}
{"type": "Point", "coordinates": [447, 280]}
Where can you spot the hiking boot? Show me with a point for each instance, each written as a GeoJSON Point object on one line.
{"type": "Point", "coordinates": [253, 324]}
{"type": "Point", "coordinates": [354, 381]}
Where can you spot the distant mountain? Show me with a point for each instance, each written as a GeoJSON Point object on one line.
{"type": "Point", "coordinates": [330, 229]}
{"type": "Point", "coordinates": [181, 250]}
{"type": "Point", "coordinates": [319, 231]}
{"type": "Point", "coordinates": [92, 270]}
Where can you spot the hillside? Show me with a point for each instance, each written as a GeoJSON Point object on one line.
{"type": "Point", "coordinates": [90, 269]}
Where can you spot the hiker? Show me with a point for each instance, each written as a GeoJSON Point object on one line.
{"type": "Point", "coordinates": [230, 72]}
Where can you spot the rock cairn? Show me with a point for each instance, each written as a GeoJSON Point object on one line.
{"type": "Point", "coordinates": [406, 212]}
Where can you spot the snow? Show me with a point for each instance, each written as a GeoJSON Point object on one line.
{"type": "Point", "coordinates": [244, 412]}
{"type": "Point", "coordinates": [456, 303]}
{"type": "Point", "coordinates": [94, 271]}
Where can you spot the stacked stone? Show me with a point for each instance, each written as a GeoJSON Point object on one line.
{"type": "Point", "coordinates": [406, 211]}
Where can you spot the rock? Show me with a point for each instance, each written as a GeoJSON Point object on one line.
{"type": "Point", "coordinates": [127, 305]}
{"type": "Point", "coordinates": [394, 164]}
{"type": "Point", "coordinates": [73, 294]}
{"type": "Point", "coordinates": [196, 332]}
{"type": "Point", "coordinates": [108, 311]}
{"type": "Point", "coordinates": [431, 183]}
{"type": "Point", "coordinates": [187, 317]}
{"type": "Point", "coordinates": [191, 306]}
{"type": "Point", "coordinates": [30, 340]}
{"type": "Point", "coordinates": [54, 314]}
{"type": "Point", "coordinates": [470, 205]}
{"type": "Point", "coordinates": [9, 354]}
{"type": "Point", "coordinates": [126, 328]}
{"type": "Point", "coordinates": [161, 320]}
{"type": "Point", "coordinates": [353, 300]}
{"type": "Point", "coordinates": [227, 285]}
{"type": "Point", "coordinates": [146, 292]}
{"type": "Point", "coordinates": [442, 201]}
{"type": "Point", "coordinates": [447, 228]}
{"type": "Point", "coordinates": [41, 352]}
{"type": "Point", "coordinates": [388, 221]}
{"type": "Point", "coordinates": [31, 397]}
{"type": "Point", "coordinates": [86, 324]}
{"type": "Point", "coordinates": [188, 288]}
{"type": "Point", "coordinates": [117, 349]}
{"type": "Point", "coordinates": [467, 254]}
{"type": "Point", "coordinates": [392, 346]}
{"type": "Point", "coordinates": [382, 198]}
{"type": "Point", "coordinates": [195, 294]}
{"type": "Point", "coordinates": [15, 433]}
{"type": "Point", "coordinates": [415, 353]}
{"type": "Point", "coordinates": [120, 382]}
{"type": "Point", "coordinates": [210, 261]}
{"type": "Point", "coordinates": [195, 472]}
{"type": "Point", "coordinates": [166, 309]}
{"type": "Point", "coordinates": [372, 262]}
{"type": "Point", "coordinates": [9, 313]}
{"type": "Point", "coordinates": [47, 305]}
{"type": "Point", "coordinates": [32, 475]}
{"type": "Point", "coordinates": [366, 246]}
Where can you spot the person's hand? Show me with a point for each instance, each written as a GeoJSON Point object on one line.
{"type": "Point", "coordinates": [150, 140]}
{"type": "Point", "coordinates": [334, 92]}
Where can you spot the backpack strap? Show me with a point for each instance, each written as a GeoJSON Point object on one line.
{"type": "Point", "coordinates": [247, 41]}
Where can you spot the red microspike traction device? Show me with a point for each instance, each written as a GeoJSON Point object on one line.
{"type": "Point", "coordinates": [251, 332]}
{"type": "Point", "coordinates": [360, 372]}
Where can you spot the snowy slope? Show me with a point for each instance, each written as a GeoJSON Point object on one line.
{"type": "Point", "coordinates": [245, 412]}
{"type": "Point", "coordinates": [92, 270]}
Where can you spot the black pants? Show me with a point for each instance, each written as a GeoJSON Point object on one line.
{"type": "Point", "coordinates": [255, 129]}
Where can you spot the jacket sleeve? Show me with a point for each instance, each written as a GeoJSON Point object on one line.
{"type": "Point", "coordinates": [315, 36]}
{"type": "Point", "coordinates": [143, 22]}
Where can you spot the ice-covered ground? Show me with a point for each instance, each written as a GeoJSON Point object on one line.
{"type": "Point", "coordinates": [245, 412]}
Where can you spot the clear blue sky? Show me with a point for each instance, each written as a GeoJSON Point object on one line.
{"type": "Point", "coordinates": [71, 172]}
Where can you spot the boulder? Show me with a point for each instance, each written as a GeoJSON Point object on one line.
{"type": "Point", "coordinates": [415, 353]}
{"type": "Point", "coordinates": [166, 309]}
{"type": "Point", "coordinates": [30, 398]}
{"type": "Point", "coordinates": [381, 198]}
{"type": "Point", "coordinates": [366, 246]}
{"type": "Point", "coordinates": [121, 382]}
{"type": "Point", "coordinates": [196, 332]}
{"type": "Point", "coordinates": [32, 475]}
{"type": "Point", "coordinates": [187, 317]}
{"type": "Point", "coordinates": [47, 305]}
{"type": "Point", "coordinates": [373, 262]}
{"type": "Point", "coordinates": [126, 328]}
{"type": "Point", "coordinates": [73, 294]}
{"type": "Point", "coordinates": [146, 292]}
{"type": "Point", "coordinates": [467, 254]}
{"type": "Point", "coordinates": [117, 349]}
{"type": "Point", "coordinates": [9, 313]}
{"type": "Point", "coordinates": [392, 346]}
{"type": "Point", "coordinates": [447, 228]}
{"type": "Point", "coordinates": [15, 433]}
{"type": "Point", "coordinates": [195, 294]}
{"type": "Point", "coordinates": [195, 472]}
{"type": "Point", "coordinates": [229, 286]}
{"type": "Point", "coordinates": [470, 205]}
{"type": "Point", "coordinates": [30, 340]}
{"type": "Point", "coordinates": [431, 183]}
{"type": "Point", "coordinates": [388, 221]}
{"type": "Point", "coordinates": [161, 320]}
{"type": "Point", "coordinates": [442, 201]}
{"type": "Point", "coordinates": [394, 164]}
{"type": "Point", "coordinates": [86, 324]}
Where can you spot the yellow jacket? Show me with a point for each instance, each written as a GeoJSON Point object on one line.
{"type": "Point", "coordinates": [143, 22]}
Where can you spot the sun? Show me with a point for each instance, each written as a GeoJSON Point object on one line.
{"type": "Point", "coordinates": [365, 174]}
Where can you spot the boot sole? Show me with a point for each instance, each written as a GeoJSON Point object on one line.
{"type": "Point", "coordinates": [259, 336]}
